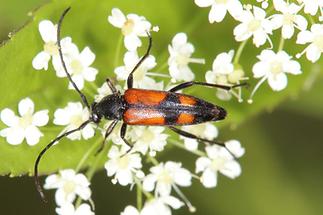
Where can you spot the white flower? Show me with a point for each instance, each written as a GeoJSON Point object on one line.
{"type": "Point", "coordinates": [315, 38]}
{"type": "Point", "coordinates": [25, 125]}
{"type": "Point", "coordinates": [156, 206]}
{"type": "Point", "coordinates": [288, 19]}
{"type": "Point", "coordinates": [72, 116]}
{"type": "Point", "coordinates": [132, 27]}
{"type": "Point", "coordinates": [48, 32]}
{"type": "Point", "coordinates": [219, 8]}
{"type": "Point", "coordinates": [223, 72]}
{"type": "Point", "coordinates": [68, 185]}
{"type": "Point", "coordinates": [312, 6]}
{"type": "Point", "coordinates": [235, 148]}
{"type": "Point", "coordinates": [161, 206]}
{"type": "Point", "coordinates": [180, 56]}
{"type": "Point", "coordinates": [205, 130]}
{"type": "Point", "coordinates": [274, 67]}
{"type": "Point", "coordinates": [122, 165]}
{"type": "Point", "coordinates": [141, 79]}
{"type": "Point", "coordinates": [218, 159]}
{"type": "Point", "coordinates": [149, 138]}
{"type": "Point", "coordinates": [69, 209]}
{"type": "Point", "coordinates": [253, 24]}
{"type": "Point", "coordinates": [264, 3]}
{"type": "Point", "coordinates": [130, 210]}
{"type": "Point", "coordinates": [164, 176]}
{"type": "Point", "coordinates": [78, 66]}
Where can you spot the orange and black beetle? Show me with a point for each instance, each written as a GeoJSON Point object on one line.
{"type": "Point", "coordinates": [143, 107]}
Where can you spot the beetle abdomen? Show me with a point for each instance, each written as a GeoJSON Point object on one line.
{"type": "Point", "coordinates": [150, 107]}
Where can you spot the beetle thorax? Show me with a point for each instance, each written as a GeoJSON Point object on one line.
{"type": "Point", "coordinates": [110, 107]}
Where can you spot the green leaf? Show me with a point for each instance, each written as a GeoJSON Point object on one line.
{"type": "Point", "coordinates": [87, 25]}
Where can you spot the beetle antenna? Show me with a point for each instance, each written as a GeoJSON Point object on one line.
{"type": "Point", "coordinates": [83, 98]}
{"type": "Point", "coordinates": [40, 155]}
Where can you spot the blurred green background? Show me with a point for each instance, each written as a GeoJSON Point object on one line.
{"type": "Point", "coordinates": [282, 169]}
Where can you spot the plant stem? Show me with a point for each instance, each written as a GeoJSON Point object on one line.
{"type": "Point", "coordinates": [239, 51]}
{"type": "Point", "coordinates": [281, 43]}
{"type": "Point", "coordinates": [97, 160]}
{"type": "Point", "coordinates": [87, 155]}
{"type": "Point", "coordinates": [118, 50]}
{"type": "Point", "coordinates": [139, 198]}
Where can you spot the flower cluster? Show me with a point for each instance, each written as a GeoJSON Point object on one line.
{"type": "Point", "coordinates": [260, 24]}
{"type": "Point", "coordinates": [78, 63]}
{"type": "Point", "coordinates": [69, 185]}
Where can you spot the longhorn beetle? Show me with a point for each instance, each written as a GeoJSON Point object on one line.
{"type": "Point", "coordinates": [142, 107]}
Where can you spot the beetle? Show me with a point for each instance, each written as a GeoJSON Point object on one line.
{"type": "Point", "coordinates": [142, 107]}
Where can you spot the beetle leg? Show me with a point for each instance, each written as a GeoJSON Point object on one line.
{"type": "Point", "coordinates": [192, 136]}
{"type": "Point", "coordinates": [123, 131]}
{"type": "Point", "coordinates": [192, 83]}
{"type": "Point", "coordinates": [130, 77]}
{"type": "Point", "coordinates": [111, 86]}
{"type": "Point", "coordinates": [107, 133]}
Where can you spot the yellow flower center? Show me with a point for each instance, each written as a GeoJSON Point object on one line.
{"type": "Point", "coordinates": [51, 48]}
{"type": "Point", "coordinates": [69, 187]}
{"type": "Point", "coordinates": [123, 162]}
{"type": "Point", "coordinates": [276, 67]}
{"type": "Point", "coordinates": [182, 60]}
{"type": "Point", "coordinates": [218, 163]}
{"type": "Point", "coordinates": [165, 177]}
{"type": "Point", "coordinates": [254, 25]}
{"type": "Point", "coordinates": [128, 27]}
{"type": "Point", "coordinates": [148, 136]}
{"type": "Point", "coordinates": [26, 120]}
{"type": "Point", "coordinates": [288, 19]}
{"type": "Point", "coordinates": [76, 66]}
{"type": "Point", "coordinates": [76, 120]}
{"type": "Point", "coordinates": [221, 79]}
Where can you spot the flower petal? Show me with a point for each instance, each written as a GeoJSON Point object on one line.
{"type": "Point", "coordinates": [287, 31]}
{"type": "Point", "coordinates": [90, 73]}
{"type": "Point", "coordinates": [33, 135]}
{"type": "Point", "coordinates": [87, 57]}
{"type": "Point", "coordinates": [217, 13]}
{"type": "Point", "coordinates": [117, 19]}
{"type": "Point", "coordinates": [132, 42]}
{"type": "Point", "coordinates": [231, 169]}
{"type": "Point", "coordinates": [40, 61]}
{"type": "Point", "coordinates": [14, 136]}
{"type": "Point", "coordinates": [209, 178]}
{"type": "Point", "coordinates": [278, 81]}
{"type": "Point", "coordinates": [313, 53]}
{"type": "Point", "coordinates": [204, 3]}
{"type": "Point", "coordinates": [8, 117]}
{"type": "Point", "coordinates": [48, 31]}
{"type": "Point", "coordinates": [26, 106]}
{"type": "Point", "coordinates": [40, 118]}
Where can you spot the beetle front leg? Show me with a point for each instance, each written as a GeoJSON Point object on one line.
{"type": "Point", "coordinates": [107, 134]}
{"type": "Point", "coordinates": [111, 86]}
